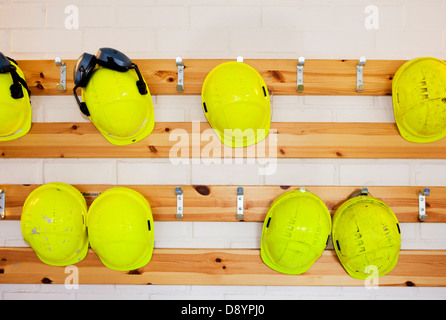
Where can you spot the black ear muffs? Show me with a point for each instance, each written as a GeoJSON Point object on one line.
{"type": "Point", "coordinates": [83, 71]}
{"type": "Point", "coordinates": [18, 83]}
{"type": "Point", "coordinates": [108, 58]}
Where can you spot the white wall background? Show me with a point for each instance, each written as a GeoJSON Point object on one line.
{"type": "Point", "coordinates": [31, 29]}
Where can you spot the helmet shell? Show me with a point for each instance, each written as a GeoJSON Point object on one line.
{"type": "Point", "coordinates": [236, 103]}
{"type": "Point", "coordinates": [15, 119]}
{"type": "Point", "coordinates": [117, 109]}
{"type": "Point", "coordinates": [295, 232]}
{"type": "Point", "coordinates": [366, 234]}
{"type": "Point", "coordinates": [53, 224]}
{"type": "Point", "coordinates": [120, 228]}
{"type": "Point", "coordinates": [419, 100]}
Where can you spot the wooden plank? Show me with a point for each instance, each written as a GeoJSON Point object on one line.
{"type": "Point", "coordinates": [197, 140]}
{"type": "Point", "coordinates": [321, 77]}
{"type": "Point", "coordinates": [219, 267]}
{"type": "Point", "coordinates": [218, 203]}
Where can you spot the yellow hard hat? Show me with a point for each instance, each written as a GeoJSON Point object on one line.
{"type": "Point", "coordinates": [236, 103]}
{"type": "Point", "coordinates": [115, 96]}
{"type": "Point", "coordinates": [366, 237]}
{"type": "Point", "coordinates": [53, 223]}
{"type": "Point", "coordinates": [295, 232]}
{"type": "Point", "coordinates": [120, 228]}
{"type": "Point", "coordinates": [15, 106]}
{"type": "Point", "coordinates": [419, 100]}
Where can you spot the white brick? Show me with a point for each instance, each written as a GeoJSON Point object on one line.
{"type": "Point", "coordinates": [425, 16]}
{"type": "Point", "coordinates": [10, 230]}
{"type": "Point", "coordinates": [21, 16]}
{"type": "Point", "coordinates": [302, 114]}
{"type": "Point", "coordinates": [302, 173]}
{"type": "Point", "coordinates": [335, 44]}
{"type": "Point", "coordinates": [82, 171]}
{"type": "Point", "coordinates": [196, 41]}
{"type": "Point", "coordinates": [430, 293]}
{"type": "Point", "coordinates": [57, 109]}
{"type": "Point", "coordinates": [226, 17]}
{"type": "Point", "coordinates": [152, 172]}
{"type": "Point", "coordinates": [390, 17]}
{"type": "Point", "coordinates": [433, 231]}
{"type": "Point", "coordinates": [128, 41]}
{"type": "Point", "coordinates": [364, 114]}
{"type": "Point", "coordinates": [172, 16]}
{"type": "Point", "coordinates": [265, 41]}
{"type": "Point", "coordinates": [17, 171]}
{"type": "Point", "coordinates": [226, 174]}
{"type": "Point", "coordinates": [4, 42]}
{"type": "Point", "coordinates": [338, 100]}
{"type": "Point", "coordinates": [232, 230]}
{"type": "Point", "coordinates": [430, 174]}
{"type": "Point", "coordinates": [375, 174]}
{"type": "Point", "coordinates": [301, 18]}
{"type": "Point", "coordinates": [38, 296]}
{"type": "Point", "coordinates": [169, 115]}
{"type": "Point", "coordinates": [46, 41]}
{"type": "Point", "coordinates": [408, 45]}
{"type": "Point", "coordinates": [176, 229]}
{"type": "Point", "coordinates": [182, 108]}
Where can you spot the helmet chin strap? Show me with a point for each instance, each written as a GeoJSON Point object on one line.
{"type": "Point", "coordinates": [18, 82]}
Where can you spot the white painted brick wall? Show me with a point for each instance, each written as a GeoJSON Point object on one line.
{"type": "Point", "coordinates": [33, 29]}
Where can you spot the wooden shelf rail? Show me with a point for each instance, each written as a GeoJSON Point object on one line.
{"type": "Point", "coordinates": [321, 77]}
{"type": "Point", "coordinates": [218, 203]}
{"type": "Point", "coordinates": [198, 140]}
{"type": "Point", "coordinates": [219, 267]}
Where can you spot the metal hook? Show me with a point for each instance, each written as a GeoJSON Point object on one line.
{"type": "Point", "coordinates": [300, 74]}
{"type": "Point", "coordinates": [422, 216]}
{"type": "Point", "coordinates": [240, 203]}
{"type": "Point", "coordinates": [359, 75]}
{"type": "Point", "coordinates": [2, 204]}
{"type": "Point", "coordinates": [179, 194]}
{"type": "Point", "coordinates": [180, 65]}
{"type": "Point", "coordinates": [62, 85]}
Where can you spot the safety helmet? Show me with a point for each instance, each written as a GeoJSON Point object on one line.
{"type": "Point", "coordinates": [15, 106]}
{"type": "Point", "coordinates": [366, 237]}
{"type": "Point", "coordinates": [295, 232]}
{"type": "Point", "coordinates": [419, 100]}
{"type": "Point", "coordinates": [53, 224]}
{"type": "Point", "coordinates": [120, 228]}
{"type": "Point", "coordinates": [118, 98]}
{"type": "Point", "coordinates": [236, 103]}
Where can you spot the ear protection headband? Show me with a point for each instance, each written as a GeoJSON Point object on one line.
{"type": "Point", "coordinates": [16, 87]}
{"type": "Point", "coordinates": [108, 58]}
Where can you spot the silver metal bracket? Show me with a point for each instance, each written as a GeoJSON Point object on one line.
{"type": "Point", "coordinates": [300, 74]}
{"type": "Point", "coordinates": [364, 191]}
{"type": "Point", "coordinates": [62, 85]}
{"type": "Point", "coordinates": [240, 195]}
{"type": "Point", "coordinates": [240, 59]}
{"type": "Point", "coordinates": [422, 216]}
{"type": "Point", "coordinates": [179, 194]}
{"type": "Point", "coordinates": [180, 65]}
{"type": "Point", "coordinates": [359, 74]}
{"type": "Point", "coordinates": [2, 204]}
